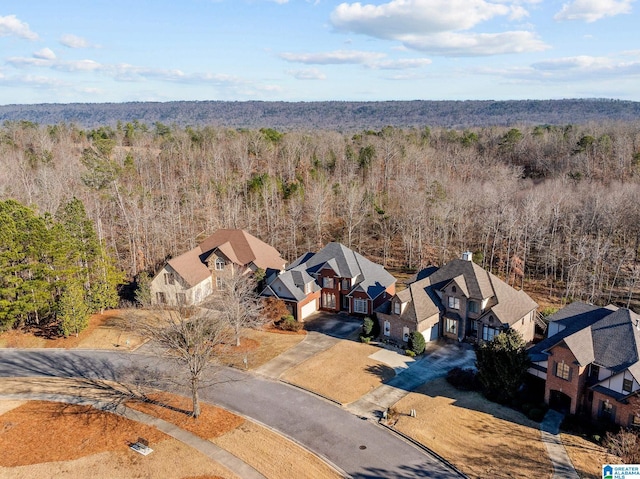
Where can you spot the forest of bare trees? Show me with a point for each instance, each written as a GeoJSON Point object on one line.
{"type": "Point", "coordinates": [551, 207]}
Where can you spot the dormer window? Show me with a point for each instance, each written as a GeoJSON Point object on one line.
{"type": "Point", "coordinates": [346, 283]}
{"type": "Point", "coordinates": [396, 307]}
{"type": "Point", "coordinates": [307, 288]}
{"type": "Point", "coordinates": [219, 264]}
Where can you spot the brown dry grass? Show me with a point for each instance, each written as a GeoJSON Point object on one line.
{"type": "Point", "coordinates": [213, 421]}
{"type": "Point", "coordinates": [266, 345]}
{"type": "Point", "coordinates": [45, 439]}
{"type": "Point", "coordinates": [481, 438]}
{"type": "Point", "coordinates": [587, 457]}
{"type": "Point", "coordinates": [343, 373]}
{"type": "Point", "coordinates": [273, 455]}
{"type": "Point", "coordinates": [58, 438]}
{"type": "Point", "coordinates": [111, 330]}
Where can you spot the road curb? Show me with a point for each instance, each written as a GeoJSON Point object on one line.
{"type": "Point", "coordinates": [423, 448]}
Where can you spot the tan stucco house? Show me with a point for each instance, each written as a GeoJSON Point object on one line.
{"type": "Point", "coordinates": [190, 278]}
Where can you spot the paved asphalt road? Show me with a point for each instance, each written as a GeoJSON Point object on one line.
{"type": "Point", "coordinates": [360, 448]}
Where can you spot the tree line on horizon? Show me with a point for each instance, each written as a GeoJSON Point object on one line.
{"type": "Point", "coordinates": [343, 116]}
{"type": "Point", "coordinates": [550, 207]}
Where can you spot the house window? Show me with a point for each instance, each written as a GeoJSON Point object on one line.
{"type": "Point", "coordinates": [454, 303]}
{"type": "Point", "coordinates": [489, 333]}
{"type": "Point", "coordinates": [474, 326]}
{"type": "Point", "coordinates": [161, 298]}
{"type": "Point", "coordinates": [346, 283]}
{"type": "Point", "coordinates": [219, 264]}
{"type": "Point", "coordinates": [327, 282]}
{"type": "Point", "coordinates": [360, 306]}
{"type": "Point", "coordinates": [405, 334]}
{"type": "Point", "coordinates": [563, 371]}
{"type": "Point", "coordinates": [181, 298]}
{"type": "Point", "coordinates": [635, 420]}
{"type": "Point", "coordinates": [219, 283]}
{"type": "Point", "coordinates": [451, 325]}
{"type": "Point", "coordinates": [453, 289]}
{"type": "Point", "coordinates": [387, 328]}
{"type": "Point", "coordinates": [169, 279]}
{"type": "Point", "coordinates": [329, 300]}
{"type": "Point", "coordinates": [307, 288]}
{"type": "Point", "coordinates": [474, 307]}
{"type": "Point", "coordinates": [396, 307]}
{"type": "Point", "coordinates": [627, 385]}
{"type": "Point", "coordinates": [594, 372]}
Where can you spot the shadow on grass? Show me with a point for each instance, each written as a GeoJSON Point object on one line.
{"type": "Point", "coordinates": [109, 379]}
{"type": "Point", "coordinates": [382, 371]}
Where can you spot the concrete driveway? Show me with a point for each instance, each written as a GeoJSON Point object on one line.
{"type": "Point", "coordinates": [439, 358]}
{"type": "Point", "coordinates": [336, 325]}
{"type": "Point", "coordinates": [324, 331]}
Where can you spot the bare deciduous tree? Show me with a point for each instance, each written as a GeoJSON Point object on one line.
{"type": "Point", "coordinates": [192, 337]}
{"type": "Point", "coordinates": [237, 302]}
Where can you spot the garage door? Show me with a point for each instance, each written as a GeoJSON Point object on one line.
{"type": "Point", "coordinates": [308, 309]}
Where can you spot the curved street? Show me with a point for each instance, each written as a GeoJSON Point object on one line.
{"type": "Point", "coordinates": [357, 446]}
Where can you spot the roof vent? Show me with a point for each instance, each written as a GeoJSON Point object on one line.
{"type": "Point", "coordinates": [467, 256]}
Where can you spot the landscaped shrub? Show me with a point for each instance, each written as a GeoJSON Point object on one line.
{"type": "Point", "coordinates": [289, 323]}
{"type": "Point", "coordinates": [370, 328]}
{"type": "Point", "coordinates": [365, 339]}
{"type": "Point", "coordinates": [410, 353]}
{"type": "Point", "coordinates": [417, 342]}
{"type": "Point", "coordinates": [463, 379]}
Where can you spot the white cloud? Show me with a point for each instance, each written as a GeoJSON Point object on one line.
{"type": "Point", "coordinates": [582, 62]}
{"type": "Point", "coordinates": [593, 10]}
{"type": "Point", "coordinates": [440, 26]}
{"type": "Point", "coordinates": [10, 25]}
{"type": "Point", "coordinates": [414, 16]}
{"type": "Point", "coordinates": [582, 69]}
{"type": "Point", "coordinates": [307, 74]}
{"type": "Point", "coordinates": [45, 54]}
{"type": "Point", "coordinates": [339, 57]}
{"type": "Point", "coordinates": [402, 64]}
{"type": "Point", "coordinates": [475, 44]}
{"type": "Point", "coordinates": [73, 41]}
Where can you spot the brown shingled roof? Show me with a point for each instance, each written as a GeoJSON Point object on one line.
{"type": "Point", "coordinates": [189, 267]}
{"type": "Point", "coordinates": [242, 248]}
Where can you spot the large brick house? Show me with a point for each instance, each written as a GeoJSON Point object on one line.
{"type": "Point", "coordinates": [190, 278]}
{"type": "Point", "coordinates": [590, 362]}
{"type": "Point", "coordinates": [459, 300]}
{"type": "Point", "coordinates": [333, 279]}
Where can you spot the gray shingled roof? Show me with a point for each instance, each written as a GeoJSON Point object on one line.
{"type": "Point", "coordinates": [476, 283]}
{"type": "Point", "coordinates": [367, 276]}
{"type": "Point", "coordinates": [606, 336]}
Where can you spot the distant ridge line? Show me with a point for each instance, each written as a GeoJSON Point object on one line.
{"type": "Point", "coordinates": [330, 115]}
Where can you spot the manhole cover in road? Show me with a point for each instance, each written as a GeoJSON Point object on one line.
{"type": "Point", "coordinates": [363, 447]}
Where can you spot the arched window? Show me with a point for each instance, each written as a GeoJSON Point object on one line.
{"type": "Point", "coordinates": [219, 264]}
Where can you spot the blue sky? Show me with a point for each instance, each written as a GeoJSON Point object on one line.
{"type": "Point", "coordinates": [312, 50]}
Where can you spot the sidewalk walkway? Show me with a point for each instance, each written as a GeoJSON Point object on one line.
{"type": "Point", "coordinates": [411, 375]}
{"type": "Point", "coordinates": [312, 344]}
{"type": "Point", "coordinates": [549, 430]}
{"type": "Point", "coordinates": [226, 459]}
